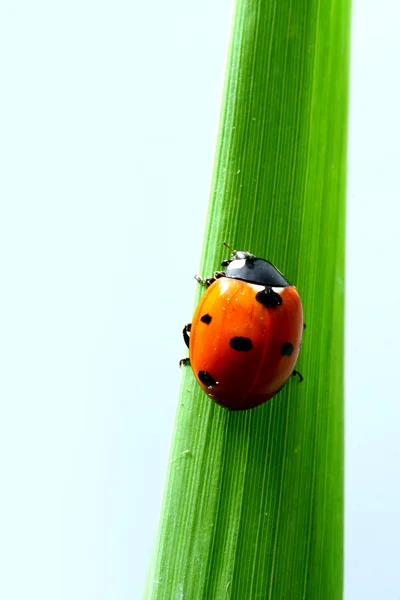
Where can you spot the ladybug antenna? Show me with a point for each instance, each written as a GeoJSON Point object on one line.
{"type": "Point", "coordinates": [229, 247]}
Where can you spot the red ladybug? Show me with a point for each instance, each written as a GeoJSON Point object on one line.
{"type": "Point", "coordinates": [246, 333]}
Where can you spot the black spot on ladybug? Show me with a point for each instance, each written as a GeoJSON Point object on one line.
{"type": "Point", "coordinates": [206, 378]}
{"type": "Point", "coordinates": [268, 298]}
{"type": "Point", "coordinates": [206, 319]}
{"type": "Point", "coordinates": [241, 344]}
{"type": "Point", "coordinates": [287, 349]}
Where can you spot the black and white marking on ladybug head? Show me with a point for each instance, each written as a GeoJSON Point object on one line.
{"type": "Point", "coordinates": [207, 379]}
{"type": "Point", "coordinates": [247, 267]}
{"type": "Point", "coordinates": [238, 256]}
{"type": "Point", "coordinates": [269, 298]}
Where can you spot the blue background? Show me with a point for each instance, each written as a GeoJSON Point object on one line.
{"type": "Point", "coordinates": [108, 118]}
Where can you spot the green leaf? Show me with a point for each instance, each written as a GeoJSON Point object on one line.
{"type": "Point", "coordinates": [253, 504]}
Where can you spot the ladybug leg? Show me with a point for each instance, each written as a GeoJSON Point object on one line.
{"type": "Point", "coordinates": [304, 326]}
{"type": "Point", "coordinates": [209, 280]}
{"type": "Point", "coordinates": [186, 330]}
{"type": "Point", "coordinates": [299, 374]}
{"type": "Point", "coordinates": [185, 333]}
{"type": "Point", "coordinates": [219, 274]}
{"type": "Point", "coordinates": [206, 282]}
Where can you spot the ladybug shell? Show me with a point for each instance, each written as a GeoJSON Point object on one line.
{"type": "Point", "coordinates": [242, 353]}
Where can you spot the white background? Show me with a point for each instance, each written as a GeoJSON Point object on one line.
{"type": "Point", "coordinates": [108, 116]}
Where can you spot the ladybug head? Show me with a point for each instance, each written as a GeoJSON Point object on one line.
{"type": "Point", "coordinates": [238, 255]}
{"type": "Point", "coordinates": [247, 267]}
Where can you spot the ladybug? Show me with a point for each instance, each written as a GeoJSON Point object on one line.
{"type": "Point", "coordinates": [246, 333]}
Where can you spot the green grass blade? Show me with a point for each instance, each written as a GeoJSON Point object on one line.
{"type": "Point", "coordinates": [253, 505]}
